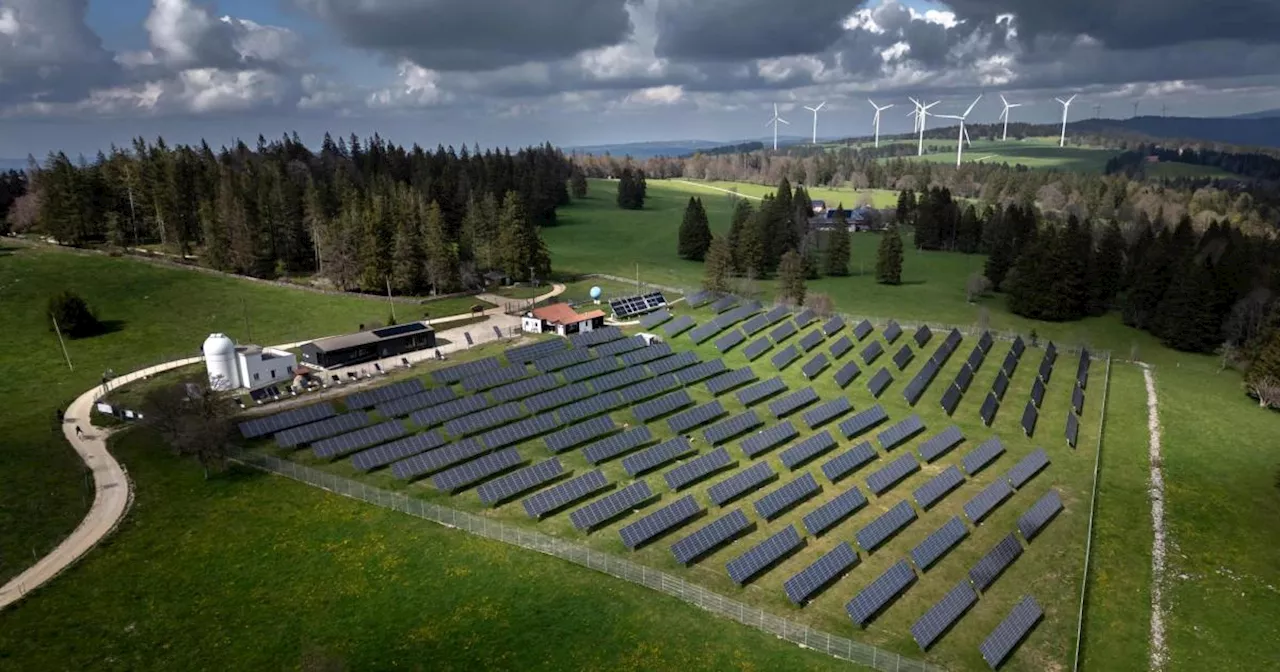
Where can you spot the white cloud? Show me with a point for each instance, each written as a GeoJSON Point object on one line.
{"type": "Point", "coordinates": [416, 87]}
{"type": "Point", "coordinates": [657, 95]}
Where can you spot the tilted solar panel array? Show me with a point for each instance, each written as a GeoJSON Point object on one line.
{"type": "Point", "coordinates": [787, 496]}
{"type": "Point", "coordinates": [628, 376]}
{"type": "Point", "coordinates": [938, 487]}
{"type": "Point", "coordinates": [977, 459]}
{"type": "Point", "coordinates": [785, 357]}
{"type": "Point", "coordinates": [700, 372]}
{"type": "Point", "coordinates": [484, 419]}
{"type": "Point", "coordinates": [697, 469]}
{"type": "Point", "coordinates": [634, 305]}
{"type": "Point", "coordinates": [847, 374]}
{"type": "Point", "coordinates": [849, 461]}
{"type": "Point", "coordinates": [841, 346]}
{"type": "Point", "coordinates": [724, 303]}
{"type": "Point", "coordinates": [872, 352]}
{"type": "Point", "coordinates": [806, 450]}
{"type": "Point", "coordinates": [792, 402]}
{"type": "Point", "coordinates": [885, 526]}
{"type": "Point", "coordinates": [901, 432]}
{"type": "Point", "coordinates": [992, 565]}
{"type": "Point", "coordinates": [727, 381]}
{"type": "Point", "coordinates": [590, 339]}
{"type": "Point", "coordinates": [1011, 631]}
{"type": "Point", "coordinates": [618, 444]}
{"type": "Point", "coordinates": [557, 397]}
{"type": "Point", "coordinates": [610, 506]}
{"type": "Point", "coordinates": [1077, 399]}
{"type": "Point", "coordinates": [621, 346]}
{"type": "Point", "coordinates": [762, 390]}
{"type": "Point", "coordinates": [1027, 468]}
{"type": "Point", "coordinates": [705, 332]}
{"type": "Point", "coordinates": [940, 444]}
{"type": "Point", "coordinates": [646, 354]}
{"type": "Point", "coordinates": [810, 581]}
{"type": "Point", "coordinates": [833, 325]}
{"type": "Point", "coordinates": [654, 319]}
{"type": "Point", "coordinates": [943, 614]}
{"type": "Point", "coordinates": [509, 435]}
{"type": "Point", "coordinates": [990, 406]}
{"type": "Point", "coordinates": [985, 342]}
{"type": "Point", "coordinates": [468, 473]}
{"type": "Point", "coordinates": [1073, 430]}
{"type": "Point", "coordinates": [740, 483]}
{"type": "Point", "coordinates": [259, 427]}
{"type": "Point", "coordinates": [345, 444]}
{"type": "Point", "coordinates": [378, 395]}
{"type": "Point", "coordinates": [939, 543]}
{"type": "Point", "coordinates": [595, 367]}
{"type": "Point", "coordinates": [757, 558]}
{"type": "Point", "coordinates": [831, 513]}
{"type": "Point", "coordinates": [810, 340]}
{"type": "Point", "coordinates": [649, 388]}
{"type": "Point", "coordinates": [951, 399]}
{"type": "Point", "coordinates": [381, 456]}
{"type": "Point", "coordinates": [922, 336]}
{"type": "Point", "coordinates": [580, 433]}
{"type": "Point", "coordinates": [652, 458]}
{"type": "Point", "coordinates": [701, 298]}
{"type": "Point", "coordinates": [1000, 385]}
{"type": "Point", "coordinates": [732, 317]}
{"type": "Point", "coordinates": [756, 348]}
{"type": "Point", "coordinates": [805, 318]}
{"type": "Point", "coordinates": [982, 504]}
{"type": "Point", "coordinates": [524, 388]}
{"type": "Point", "coordinates": [303, 434]}
{"type": "Point", "coordinates": [903, 357]}
{"type": "Point", "coordinates": [879, 593]}
{"type": "Point", "coordinates": [435, 460]}
{"type": "Point", "coordinates": [520, 481]}
{"type": "Point", "coordinates": [826, 412]}
{"type": "Point", "coordinates": [727, 429]}
{"type": "Point", "coordinates": [1037, 392]}
{"type": "Point", "coordinates": [405, 405]}
{"type": "Point", "coordinates": [674, 363]}
{"type": "Point", "coordinates": [863, 421]}
{"type": "Point", "coordinates": [879, 382]}
{"type": "Point", "coordinates": [777, 314]}
{"type": "Point", "coordinates": [698, 415]}
{"type": "Point", "coordinates": [814, 366]}
{"type": "Point", "coordinates": [493, 377]}
{"type": "Point", "coordinates": [455, 373]}
{"type": "Point", "coordinates": [523, 354]}
{"type": "Point", "coordinates": [761, 442]}
{"type": "Point", "coordinates": [709, 536]}
{"type": "Point", "coordinates": [921, 381]}
{"type": "Point", "coordinates": [783, 331]}
{"type": "Point", "coordinates": [889, 475]}
{"type": "Point", "coordinates": [660, 522]}
{"type": "Point", "coordinates": [755, 325]}
{"type": "Point", "coordinates": [730, 340]}
{"type": "Point", "coordinates": [863, 329]}
{"type": "Point", "coordinates": [661, 406]}
{"type": "Point", "coordinates": [1033, 521]}
{"type": "Point", "coordinates": [892, 332]}
{"type": "Point", "coordinates": [679, 326]}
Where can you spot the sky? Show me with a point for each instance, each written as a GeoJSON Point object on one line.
{"type": "Point", "coordinates": [79, 75]}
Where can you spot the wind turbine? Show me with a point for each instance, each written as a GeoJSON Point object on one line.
{"type": "Point", "coordinates": [1066, 104]}
{"type": "Point", "coordinates": [1005, 116]}
{"type": "Point", "coordinates": [876, 120]}
{"type": "Point", "coordinates": [1164, 110]}
{"type": "Point", "coordinates": [1097, 110]}
{"type": "Point", "coordinates": [814, 110]}
{"type": "Point", "coordinates": [1135, 108]}
{"type": "Point", "coordinates": [775, 121]}
{"type": "Point", "coordinates": [963, 135]}
{"type": "Point", "coordinates": [922, 111]}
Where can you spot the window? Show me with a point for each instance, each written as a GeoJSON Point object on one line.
{"type": "Point", "coordinates": [255, 375]}
{"type": "Point", "coordinates": [289, 369]}
{"type": "Point", "coordinates": [273, 374]}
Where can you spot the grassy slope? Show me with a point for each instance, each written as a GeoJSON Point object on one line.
{"type": "Point", "coordinates": [880, 198]}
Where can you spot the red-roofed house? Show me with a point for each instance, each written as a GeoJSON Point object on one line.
{"type": "Point", "coordinates": [560, 318]}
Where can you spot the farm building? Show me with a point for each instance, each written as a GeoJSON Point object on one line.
{"type": "Point", "coordinates": [562, 319]}
{"type": "Point", "coordinates": [862, 218]}
{"type": "Point", "coordinates": [250, 367]}
{"type": "Point", "coordinates": [366, 346]}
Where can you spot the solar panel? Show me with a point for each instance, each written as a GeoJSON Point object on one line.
{"type": "Point", "coordinates": [985, 342]}
{"type": "Point", "coordinates": [709, 536]}
{"type": "Point", "coordinates": [939, 543]}
{"type": "Point", "coordinates": [903, 357]}
{"type": "Point", "coordinates": [982, 456]}
{"type": "Point", "coordinates": [661, 406]}
{"type": "Point", "coordinates": [763, 441]}
{"type": "Point", "coordinates": [519, 481]}
{"type": "Point", "coordinates": [557, 397]}
{"type": "Point", "coordinates": [610, 506]}
{"type": "Point", "coordinates": [1051, 352]}
{"type": "Point", "coordinates": [434, 415]}
{"type": "Point", "coordinates": [942, 615]}
{"type": "Point", "coordinates": [1077, 399]}
{"type": "Point", "coordinates": [726, 320]}
{"type": "Point", "coordinates": [1010, 364]}
{"type": "Point", "coordinates": [435, 460]}
{"type": "Point", "coordinates": [727, 429]}
{"type": "Point", "coordinates": [303, 434]}
{"type": "Point", "coordinates": [885, 526]}
{"type": "Point", "coordinates": [814, 366]}
{"type": "Point", "coordinates": [627, 376]}
{"type": "Point", "coordinates": [1027, 468]}
{"type": "Point", "coordinates": [950, 399]}
{"type": "Point", "coordinates": [698, 415]}
{"type": "Point", "coordinates": [345, 444]}
{"type": "Point", "coordinates": [618, 444]}
{"type": "Point", "coordinates": [940, 444]}
{"type": "Point", "coordinates": [900, 433]}
{"type": "Point", "coordinates": [811, 580]}
{"type": "Point", "coordinates": [727, 381]}
{"type": "Point", "coordinates": [523, 354]}
{"type": "Point", "coordinates": [1011, 631]}
{"type": "Point", "coordinates": [697, 469]}
{"type": "Point", "coordinates": [679, 326]}
{"type": "Point", "coordinates": [992, 565]}
{"type": "Point", "coordinates": [847, 374]}
{"type": "Point", "coordinates": [258, 427]}
{"type": "Point", "coordinates": [763, 555]}
{"type": "Point", "coordinates": [660, 522]}
{"type": "Point", "coordinates": [705, 332]}
{"type": "Point", "coordinates": [562, 360]}
{"type": "Point", "coordinates": [621, 346]}
{"type": "Point", "coordinates": [576, 435]}
{"type": "Point", "coordinates": [1018, 347]}
{"type": "Point", "coordinates": [724, 303]}
{"type": "Point", "coordinates": [864, 327]}
{"type": "Point", "coordinates": [879, 382]}
{"type": "Point", "coordinates": [806, 450]}
{"type": "Point", "coordinates": [938, 487]}
{"type": "Point", "coordinates": [730, 340]}
{"type": "Point", "coordinates": [784, 497]}
{"type": "Point", "coordinates": [1073, 430]}
{"type": "Point", "coordinates": [482, 420]}
{"type": "Point", "coordinates": [1082, 374]}
{"type": "Point", "coordinates": [784, 357]}
{"type": "Point", "coordinates": [792, 402]}
{"type": "Point", "coordinates": [892, 331]}
{"type": "Point", "coordinates": [740, 483]}
{"type": "Point", "coordinates": [381, 456]}
{"type": "Point", "coordinates": [755, 325]}
{"type": "Point", "coordinates": [654, 319]}
{"type": "Point", "coordinates": [378, 395]}
{"type": "Point", "coordinates": [826, 412]}
{"type": "Point", "coordinates": [672, 364]}
{"type": "Point", "coordinates": [976, 357]}
{"type": "Point", "coordinates": [524, 388]}
{"type": "Point", "coordinates": [983, 503]}
{"type": "Point", "coordinates": [756, 348]}
{"type": "Point", "coordinates": [833, 325]}
{"type": "Point", "coordinates": [879, 593]}
{"type": "Point", "coordinates": [701, 298]}
{"type": "Point", "coordinates": [635, 305]}
{"type": "Point", "coordinates": [849, 461]}
{"type": "Point", "coordinates": [1029, 417]}
{"type": "Point", "coordinates": [460, 477]}
{"type": "Point", "coordinates": [872, 352]}
{"type": "Point", "coordinates": [649, 388]}
{"type": "Point", "coordinates": [954, 337]}
{"type": "Point", "coordinates": [989, 407]}
{"type": "Point", "coordinates": [455, 373]}
{"type": "Point", "coordinates": [646, 354]}
{"type": "Point", "coordinates": [831, 513]}
{"type": "Point", "coordinates": [595, 367]}
{"type": "Point", "coordinates": [652, 458]}
{"type": "Point", "coordinates": [888, 476]}
{"type": "Point", "coordinates": [588, 339]}
{"type": "Point", "coordinates": [516, 432]}
{"type": "Point", "coordinates": [1037, 392]}
{"type": "Point", "coordinates": [777, 313]}
{"type": "Point", "coordinates": [964, 378]}
{"type": "Point", "coordinates": [700, 372]}
{"type": "Point", "coordinates": [922, 336]}
{"type": "Point", "coordinates": [1000, 385]}
{"type": "Point", "coordinates": [783, 331]}
{"type": "Point", "coordinates": [810, 340]}
{"type": "Point", "coordinates": [805, 318]}
{"type": "Point", "coordinates": [841, 346]}
{"type": "Point", "coordinates": [760, 391]}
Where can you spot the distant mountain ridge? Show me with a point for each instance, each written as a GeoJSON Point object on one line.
{"type": "Point", "coordinates": [648, 150]}
{"type": "Point", "coordinates": [1264, 114]}
{"type": "Point", "coordinates": [1255, 131]}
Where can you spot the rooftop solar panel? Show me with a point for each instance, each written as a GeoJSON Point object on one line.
{"type": "Point", "coordinates": [833, 325]}
{"type": "Point", "coordinates": [520, 481]}
{"type": "Point", "coordinates": [561, 360]}
{"type": "Point", "coordinates": [943, 614]}
{"type": "Point", "coordinates": [841, 346]}
{"type": "Point", "coordinates": [654, 319]}
{"type": "Point", "coordinates": [888, 476]}
{"type": "Point", "coordinates": [696, 416]}
{"type": "Point", "coordinates": [765, 440]}
{"type": "Point", "coordinates": [679, 326]}
{"type": "Point", "coordinates": [700, 372]}
{"type": "Point", "coordinates": [621, 346]}
{"type": "Point", "coordinates": [378, 395]}
{"type": "Point", "coordinates": [879, 382]}
{"type": "Point", "coordinates": [618, 444]}
{"type": "Point", "coordinates": [661, 406]}
{"type": "Point", "coordinates": [756, 348]}
{"type": "Point", "coordinates": [992, 565]}
{"type": "Point", "coordinates": [1073, 430]}
{"type": "Point", "coordinates": [741, 483]}
{"type": "Point", "coordinates": [849, 461]}
{"type": "Point", "coordinates": [755, 325]}
{"type": "Point", "coordinates": [783, 331]}
{"type": "Point", "coordinates": [786, 356]}
{"type": "Point", "coordinates": [885, 526]}
{"type": "Point", "coordinates": [939, 543]}
{"type": "Point", "coordinates": [724, 303]}
{"type": "Point", "coordinates": [710, 536]}
{"type": "Point", "coordinates": [435, 460]}
{"type": "Point", "coordinates": [652, 458]}
{"type": "Point", "coordinates": [792, 402]}
{"type": "Point", "coordinates": [628, 376]}
{"type": "Point", "coordinates": [466, 474]}
{"type": "Point", "coordinates": [727, 429]}
{"type": "Point", "coordinates": [345, 444]}
{"type": "Point", "coordinates": [381, 456]}
{"type": "Point", "coordinates": [941, 444]}
{"type": "Point", "coordinates": [516, 432]}
{"type": "Point", "coordinates": [760, 557]}
{"type": "Point", "coordinates": [814, 366]}
{"type": "Point", "coordinates": [698, 468]}
{"type": "Point", "coordinates": [922, 336]}
{"type": "Point", "coordinates": [862, 330]}
{"type": "Point", "coordinates": [727, 381]}
{"type": "Point", "coordinates": [950, 399]}
{"type": "Point", "coordinates": [1011, 631]}
{"type": "Point", "coordinates": [977, 459]}
{"type": "Point", "coordinates": [595, 367]}
{"type": "Point", "coordinates": [1044, 510]}
{"type": "Point", "coordinates": [646, 354]}
{"type": "Point", "coordinates": [674, 363]}
{"type": "Point", "coordinates": [588, 339]}
{"type": "Point", "coordinates": [989, 407]}
{"type": "Point", "coordinates": [524, 388]}
{"type": "Point", "coordinates": [900, 433]}
{"type": "Point", "coordinates": [258, 427]}
{"type": "Point", "coordinates": [903, 357]}
{"type": "Point", "coordinates": [982, 504]}
{"type": "Point", "coordinates": [826, 412]}
{"type": "Point", "coordinates": [811, 580]}
{"type": "Point", "coordinates": [760, 391]}
{"type": "Point", "coordinates": [703, 333]}
{"type": "Point", "coordinates": [455, 373]}
{"type": "Point", "coordinates": [557, 397]}
{"type": "Point", "coordinates": [610, 506]}
{"type": "Point", "coordinates": [938, 487]}
{"type": "Point", "coordinates": [872, 352]}
{"type": "Point", "coordinates": [1037, 392]}
{"type": "Point", "coordinates": [1027, 468]}
{"type": "Point", "coordinates": [784, 497]}
{"type": "Point", "coordinates": [304, 434]}
{"type": "Point", "coordinates": [892, 332]}
{"type": "Point", "coordinates": [806, 450]}
{"type": "Point", "coordinates": [730, 340]}
{"type": "Point", "coordinates": [576, 435]}
{"type": "Point", "coordinates": [810, 340]}
{"type": "Point", "coordinates": [523, 354]}
{"type": "Point", "coordinates": [484, 419]}
{"type": "Point", "coordinates": [1029, 417]}
{"type": "Point", "coordinates": [879, 593]}
{"type": "Point", "coordinates": [660, 522]}
{"type": "Point", "coordinates": [831, 513]}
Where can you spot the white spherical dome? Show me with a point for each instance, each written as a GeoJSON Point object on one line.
{"type": "Point", "coordinates": [218, 344]}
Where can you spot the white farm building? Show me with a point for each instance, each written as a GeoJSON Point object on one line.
{"type": "Point", "coordinates": [247, 367]}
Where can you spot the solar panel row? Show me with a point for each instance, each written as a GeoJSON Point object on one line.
{"type": "Point", "coordinates": [849, 461]}
{"type": "Point", "coordinates": [811, 580]}
{"type": "Point", "coordinates": [484, 419]}
{"type": "Point", "coordinates": [888, 476]}
{"type": "Point", "coordinates": [885, 526]}
{"type": "Point", "coordinates": [654, 319]}
{"type": "Point", "coordinates": [524, 388]}
{"type": "Point", "coordinates": [705, 332]}
{"type": "Point", "coordinates": [381, 456]}
{"type": "Point", "coordinates": [841, 346]}
{"type": "Point", "coordinates": [903, 357]}
{"type": "Point", "coordinates": [943, 614]}
{"type": "Point", "coordinates": [727, 381]}
{"type": "Point", "coordinates": [879, 593]}
{"type": "Point", "coordinates": [939, 543]}
{"type": "Point", "coordinates": [454, 374]}
{"type": "Point", "coordinates": [833, 325]}
{"type": "Point", "coordinates": [879, 382]}
{"type": "Point", "coordinates": [345, 444]}
{"type": "Point", "coordinates": [623, 378]}
{"type": "Point", "coordinates": [618, 444]}
{"type": "Point", "coordinates": [784, 357]}
{"type": "Point", "coordinates": [1011, 631]}
{"type": "Point", "coordinates": [872, 352]}
{"type": "Point", "coordinates": [649, 388]}
{"type": "Point", "coordinates": [992, 565]}
{"type": "Point", "coordinates": [847, 374]}
{"type": "Point", "coordinates": [621, 346]}
{"type": "Point", "coordinates": [761, 391]}
{"type": "Point", "coordinates": [519, 481]}
{"type": "Point", "coordinates": [724, 303]}
{"type": "Point", "coordinates": [440, 413]}
{"type": "Point", "coordinates": [523, 354]}
{"type": "Point", "coordinates": [755, 325]}
{"type": "Point", "coordinates": [806, 450]}
{"type": "Point", "coordinates": [759, 557]}
{"type": "Point", "coordinates": [466, 474]}
{"type": "Point", "coordinates": [557, 397]}
{"type": "Point", "coordinates": [378, 395]}
{"type": "Point", "coordinates": [674, 363]}
{"type": "Point", "coordinates": [679, 326]}
{"type": "Point", "coordinates": [1027, 468]}
{"type": "Point", "coordinates": [792, 402]}
{"type": "Point", "coordinates": [756, 348]}
{"type": "Point", "coordinates": [727, 429]}
{"type": "Point", "coordinates": [901, 432]}
{"type": "Point", "coordinates": [698, 415]}
{"type": "Point", "coordinates": [588, 339]}
{"type": "Point", "coordinates": [304, 434]}
{"type": "Point", "coordinates": [730, 340]}
{"type": "Point", "coordinates": [940, 444]}
{"type": "Point", "coordinates": [863, 422]}
{"type": "Point", "coordinates": [562, 360]}
{"type": "Point", "coordinates": [938, 487]}
{"type": "Point", "coordinates": [763, 441]}
{"type": "Point", "coordinates": [652, 458]}
{"type": "Point", "coordinates": [591, 369]}
{"type": "Point", "coordinates": [580, 433]}
{"type": "Point", "coordinates": [610, 506]}
{"type": "Point", "coordinates": [700, 372]}
{"type": "Point", "coordinates": [977, 459]}
{"type": "Point", "coordinates": [922, 336]}
{"type": "Point", "coordinates": [660, 522]}
{"type": "Point", "coordinates": [787, 496]}
{"type": "Point", "coordinates": [1033, 521]}
{"type": "Point", "coordinates": [810, 340]}
{"type": "Point", "coordinates": [892, 331]}
{"type": "Point", "coordinates": [661, 406]}
{"type": "Point", "coordinates": [509, 435]}
{"type": "Point", "coordinates": [403, 406]}
{"type": "Point", "coordinates": [783, 331]}
{"type": "Point", "coordinates": [826, 412]}
{"type": "Point", "coordinates": [862, 330]}
{"type": "Point", "coordinates": [259, 427]}
{"type": "Point", "coordinates": [708, 537]}
{"type": "Point", "coordinates": [697, 469]}
{"type": "Point", "coordinates": [560, 496]}
{"type": "Point", "coordinates": [982, 504]}
{"type": "Point", "coordinates": [831, 513]}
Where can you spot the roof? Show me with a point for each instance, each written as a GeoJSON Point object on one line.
{"type": "Point", "coordinates": [366, 337]}
{"type": "Point", "coordinates": [562, 313]}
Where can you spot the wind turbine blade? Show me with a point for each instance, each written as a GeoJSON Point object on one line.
{"type": "Point", "coordinates": [1073, 97]}
{"type": "Point", "coordinates": [873, 103]}
{"type": "Point", "coordinates": [887, 106]}
{"type": "Point", "coordinates": [1003, 100]}
{"type": "Point", "coordinates": [767, 123]}
{"type": "Point", "coordinates": [1004, 114]}
{"type": "Point", "coordinates": [913, 100]}
{"type": "Point", "coordinates": [972, 105]}
{"type": "Point", "coordinates": [820, 106]}
{"type": "Point", "coordinates": [1060, 101]}
{"type": "Point", "coordinates": [784, 121]}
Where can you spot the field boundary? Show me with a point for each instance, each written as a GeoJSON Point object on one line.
{"type": "Point", "coordinates": [1093, 508]}
{"type": "Point", "coordinates": [607, 563]}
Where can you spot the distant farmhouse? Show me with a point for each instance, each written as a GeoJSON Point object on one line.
{"type": "Point", "coordinates": [862, 218]}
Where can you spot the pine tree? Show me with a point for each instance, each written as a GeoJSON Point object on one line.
{"type": "Point", "coordinates": [791, 287]}
{"type": "Point", "coordinates": [889, 258]}
{"type": "Point", "coordinates": [406, 257]}
{"type": "Point", "coordinates": [1187, 320]}
{"type": "Point", "coordinates": [441, 256]}
{"type": "Point", "coordinates": [742, 212]}
{"type": "Point", "coordinates": [626, 189]}
{"type": "Point", "coordinates": [1150, 279]}
{"type": "Point", "coordinates": [577, 183]}
{"type": "Point", "coordinates": [718, 267]}
{"type": "Point", "coordinates": [906, 207]}
{"type": "Point", "coordinates": [1029, 283]}
{"type": "Point", "coordinates": [695, 232]}
{"type": "Point", "coordinates": [837, 258]}
{"type": "Point", "coordinates": [1108, 269]}
{"type": "Point", "coordinates": [752, 254]}
{"type": "Point", "coordinates": [969, 231]}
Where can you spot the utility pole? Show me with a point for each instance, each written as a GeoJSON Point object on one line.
{"type": "Point", "coordinates": [61, 342]}
{"type": "Point", "coordinates": [637, 277]}
{"type": "Point", "coordinates": [389, 301]}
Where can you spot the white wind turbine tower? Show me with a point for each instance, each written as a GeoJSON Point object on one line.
{"type": "Point", "coordinates": [775, 121]}
{"type": "Point", "coordinates": [1066, 105]}
{"type": "Point", "coordinates": [814, 110]}
{"type": "Point", "coordinates": [921, 112]}
{"type": "Point", "coordinates": [876, 121]}
{"type": "Point", "coordinates": [1004, 136]}
{"type": "Point", "coordinates": [963, 135]}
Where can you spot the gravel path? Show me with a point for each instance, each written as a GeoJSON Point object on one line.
{"type": "Point", "coordinates": [1159, 652]}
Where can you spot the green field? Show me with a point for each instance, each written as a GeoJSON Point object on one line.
{"type": "Point", "coordinates": [879, 198]}
{"type": "Point", "coordinates": [1040, 152]}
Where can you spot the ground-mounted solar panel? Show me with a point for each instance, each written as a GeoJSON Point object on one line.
{"type": "Point", "coordinates": [985, 342]}
{"type": "Point", "coordinates": [951, 399]}
{"type": "Point", "coordinates": [726, 320]}
{"type": "Point", "coordinates": [793, 402]}
{"type": "Point", "coordinates": [814, 366]}
{"type": "Point", "coordinates": [696, 416]}
{"type": "Point", "coordinates": [1000, 385]}
{"type": "Point", "coordinates": [1037, 392]}
{"type": "Point", "coordinates": [964, 377]}
{"type": "Point", "coordinates": [590, 339]}
{"type": "Point", "coordinates": [885, 526]}
{"type": "Point", "coordinates": [483, 419]}
{"type": "Point", "coordinates": [735, 426]}
{"type": "Point", "coordinates": [1046, 370]}
{"type": "Point", "coordinates": [698, 468]}
{"type": "Point", "coordinates": [403, 406]}
{"type": "Point", "coordinates": [449, 411]}
{"type": "Point", "coordinates": [1040, 514]}
{"type": "Point", "coordinates": [724, 303]}
{"type": "Point", "coordinates": [703, 333]}
{"type": "Point", "coordinates": [621, 346]}
{"type": "Point", "coordinates": [562, 360]}
{"type": "Point", "coordinates": [1051, 352]}
{"type": "Point", "coordinates": [943, 614]}
{"type": "Point", "coordinates": [979, 458]}
{"type": "Point", "coordinates": [730, 340]}
{"type": "Point", "coordinates": [437, 459]}
{"type": "Point", "coordinates": [756, 348]}
{"type": "Point", "coordinates": [259, 427]}
{"type": "Point", "coordinates": [576, 435]}
{"type": "Point", "coordinates": [1073, 430]}
{"type": "Point", "coordinates": [992, 565]}
{"type": "Point", "coordinates": [710, 536]}
{"type": "Point", "coordinates": [1010, 364]}
{"type": "Point", "coordinates": [989, 407]}
{"type": "Point", "coordinates": [520, 481]}
{"type": "Point", "coordinates": [523, 388]}
{"type": "Point", "coordinates": [777, 314]}
{"type": "Point", "coordinates": [616, 445]}
{"type": "Point", "coordinates": [892, 332]}
{"type": "Point", "coordinates": [940, 444]}
{"type": "Point", "coordinates": [646, 354]}
{"type": "Point", "coordinates": [1077, 399]}
{"type": "Point", "coordinates": [345, 444]}
{"type": "Point", "coordinates": [661, 406]}
{"type": "Point", "coordinates": [810, 340]}
{"type": "Point", "coordinates": [1082, 374]}
{"type": "Point", "coordinates": [840, 347]}
{"type": "Point", "coordinates": [647, 389]}
{"type": "Point", "coordinates": [591, 369]}
{"type": "Point", "coordinates": [787, 496]}
{"type": "Point", "coordinates": [903, 357]}
{"type": "Point", "coordinates": [831, 513]}
{"type": "Point", "coordinates": [323, 429]}
{"type": "Point", "coordinates": [879, 593]}
{"type": "Point", "coordinates": [784, 357]}
{"type": "Point", "coordinates": [808, 449]}
{"type": "Point", "coordinates": [805, 317]}
{"type": "Point", "coordinates": [652, 458]}
{"type": "Point", "coordinates": [622, 378]}
{"type": "Point", "coordinates": [938, 487]}
{"type": "Point", "coordinates": [954, 338]}
{"type": "Point", "coordinates": [760, 557]}
{"type": "Point", "coordinates": [522, 430]}
{"type": "Point", "coordinates": [728, 381]}
{"type": "Point", "coordinates": [761, 391]}
{"type": "Point", "coordinates": [523, 354]}
{"type": "Point", "coordinates": [557, 397]}
{"type": "Point", "coordinates": [862, 330]}
{"type": "Point", "coordinates": [872, 352]}
{"type": "Point", "coordinates": [939, 542]}
{"type": "Point", "coordinates": [382, 455]}
{"type": "Point", "coordinates": [847, 374]}
{"type": "Point", "coordinates": [849, 461]}
{"type": "Point", "coordinates": [1027, 468]}
{"type": "Point", "coordinates": [1018, 347]}
{"type": "Point", "coordinates": [900, 433]}
{"type": "Point", "coordinates": [1011, 631]}
{"type": "Point", "coordinates": [879, 382]}
{"type": "Point", "coordinates": [701, 298]}
{"type": "Point", "coordinates": [755, 325]}
{"type": "Point", "coordinates": [741, 483]}
{"type": "Point", "coordinates": [975, 359]}
{"type": "Point", "coordinates": [832, 325]}
{"type": "Point", "coordinates": [912, 391]}
{"type": "Point", "coordinates": [701, 372]}
{"type": "Point", "coordinates": [467, 474]}
{"type": "Point", "coordinates": [922, 336]}
{"type": "Point", "coordinates": [635, 305]}
{"type": "Point", "coordinates": [679, 326]}
{"type": "Point", "coordinates": [1029, 416]}
{"type": "Point", "coordinates": [674, 363]}
{"type": "Point", "coordinates": [455, 373]}
{"type": "Point", "coordinates": [811, 580]}
{"type": "Point", "coordinates": [765, 440]}
{"type": "Point", "coordinates": [783, 331]}
{"type": "Point", "coordinates": [982, 504]}
{"type": "Point", "coordinates": [654, 319]}
{"type": "Point", "coordinates": [826, 412]}
{"type": "Point", "coordinates": [610, 506]}
{"type": "Point", "coordinates": [378, 395]}
{"type": "Point", "coordinates": [660, 522]}
{"type": "Point", "coordinates": [891, 474]}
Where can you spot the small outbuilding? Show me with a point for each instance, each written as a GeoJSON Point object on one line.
{"type": "Point", "coordinates": [250, 367]}
{"type": "Point", "coordinates": [562, 319]}
{"type": "Point", "coordinates": [367, 346]}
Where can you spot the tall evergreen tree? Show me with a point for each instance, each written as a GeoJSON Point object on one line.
{"type": "Point", "coordinates": [440, 253]}
{"type": "Point", "coordinates": [791, 286]}
{"type": "Point", "coordinates": [905, 212]}
{"type": "Point", "coordinates": [752, 254]}
{"type": "Point", "coordinates": [1150, 279]}
{"type": "Point", "coordinates": [889, 258]}
{"type": "Point", "coordinates": [742, 212]}
{"type": "Point", "coordinates": [837, 258]}
{"type": "Point", "coordinates": [1108, 269]}
{"type": "Point", "coordinates": [718, 267]}
{"type": "Point", "coordinates": [695, 232]}
{"type": "Point", "coordinates": [1186, 317]}
{"type": "Point", "coordinates": [577, 182]}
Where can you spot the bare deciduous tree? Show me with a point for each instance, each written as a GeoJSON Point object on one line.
{"type": "Point", "coordinates": [976, 286]}
{"type": "Point", "coordinates": [193, 419]}
{"type": "Point", "coordinates": [821, 304]}
{"type": "Point", "coordinates": [1266, 391]}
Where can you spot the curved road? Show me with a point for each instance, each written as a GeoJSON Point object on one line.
{"type": "Point", "coordinates": [113, 491]}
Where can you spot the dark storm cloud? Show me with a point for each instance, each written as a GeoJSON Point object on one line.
{"type": "Point", "coordinates": [48, 53]}
{"type": "Point", "coordinates": [745, 29]}
{"type": "Point", "coordinates": [475, 35]}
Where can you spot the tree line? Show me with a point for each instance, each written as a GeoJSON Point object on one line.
{"type": "Point", "coordinates": [1255, 165]}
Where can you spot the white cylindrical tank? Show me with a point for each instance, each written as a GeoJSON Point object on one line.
{"type": "Point", "coordinates": [220, 360]}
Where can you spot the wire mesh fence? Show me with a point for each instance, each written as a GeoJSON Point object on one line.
{"type": "Point", "coordinates": [792, 631]}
